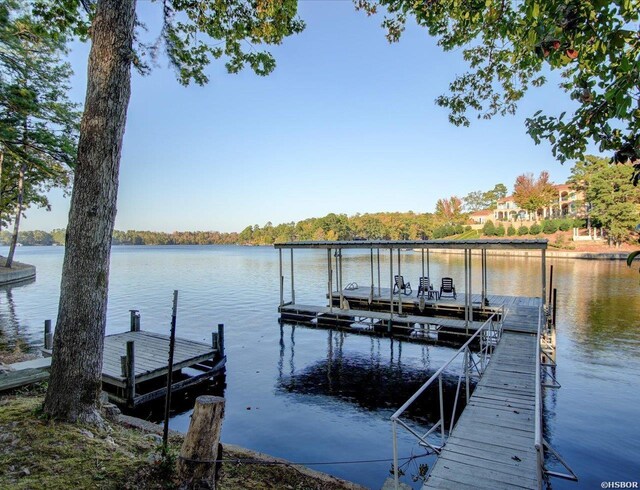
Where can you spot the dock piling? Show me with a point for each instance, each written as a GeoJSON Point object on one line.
{"type": "Point", "coordinates": [200, 449]}
{"type": "Point", "coordinates": [48, 335]}
{"type": "Point", "coordinates": [167, 401]}
{"type": "Point", "coordinates": [135, 320]}
{"type": "Point", "coordinates": [221, 339]}
{"type": "Point", "coordinates": [130, 372]}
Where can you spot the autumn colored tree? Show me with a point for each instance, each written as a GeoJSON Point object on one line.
{"type": "Point", "coordinates": [449, 211]}
{"type": "Point", "coordinates": [532, 194]}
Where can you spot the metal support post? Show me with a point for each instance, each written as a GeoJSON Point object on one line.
{"type": "Point", "coordinates": [441, 396]}
{"type": "Point", "coordinates": [281, 279]}
{"type": "Point", "coordinates": [399, 291]}
{"type": "Point", "coordinates": [293, 291]}
{"type": "Point", "coordinates": [330, 276]}
{"type": "Point", "coordinates": [543, 296]}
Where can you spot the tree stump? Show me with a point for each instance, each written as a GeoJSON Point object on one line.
{"type": "Point", "coordinates": [196, 465]}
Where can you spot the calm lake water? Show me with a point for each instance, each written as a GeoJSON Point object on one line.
{"type": "Point", "coordinates": [318, 396]}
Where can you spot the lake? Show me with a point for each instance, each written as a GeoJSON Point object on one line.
{"type": "Point", "coordinates": [320, 396]}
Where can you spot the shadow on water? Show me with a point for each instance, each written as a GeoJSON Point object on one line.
{"type": "Point", "coordinates": [13, 338]}
{"type": "Point", "coordinates": [182, 401]}
{"type": "Point", "coordinates": [372, 382]}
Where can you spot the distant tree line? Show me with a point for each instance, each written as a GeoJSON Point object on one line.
{"type": "Point", "coordinates": [611, 203]}
{"type": "Point", "coordinates": [130, 237]}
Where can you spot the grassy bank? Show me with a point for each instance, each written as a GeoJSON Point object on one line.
{"type": "Point", "coordinates": [38, 453]}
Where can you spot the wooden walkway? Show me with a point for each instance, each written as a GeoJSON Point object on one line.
{"type": "Point", "coordinates": [492, 445]}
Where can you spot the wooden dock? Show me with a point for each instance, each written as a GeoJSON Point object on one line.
{"type": "Point", "coordinates": [492, 446]}
{"type": "Point", "coordinates": [150, 365]}
{"type": "Point", "coordinates": [426, 321]}
{"type": "Point", "coordinates": [135, 365]}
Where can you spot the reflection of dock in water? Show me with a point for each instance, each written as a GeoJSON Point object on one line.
{"type": "Point", "coordinates": [373, 381]}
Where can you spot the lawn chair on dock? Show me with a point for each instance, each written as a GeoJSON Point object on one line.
{"type": "Point", "coordinates": [426, 288]}
{"type": "Point", "coordinates": [447, 287]}
{"type": "Point", "coordinates": [403, 287]}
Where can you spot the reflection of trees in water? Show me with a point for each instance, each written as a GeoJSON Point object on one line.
{"type": "Point", "coordinates": [598, 304]}
{"type": "Point", "coordinates": [371, 381]}
{"type": "Point", "coordinates": [12, 337]}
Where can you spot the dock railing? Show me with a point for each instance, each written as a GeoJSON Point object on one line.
{"type": "Point", "coordinates": [543, 359]}
{"type": "Point", "coordinates": [488, 336]}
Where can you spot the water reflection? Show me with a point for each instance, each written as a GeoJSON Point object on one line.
{"type": "Point", "coordinates": [13, 338]}
{"type": "Point", "coordinates": [374, 381]}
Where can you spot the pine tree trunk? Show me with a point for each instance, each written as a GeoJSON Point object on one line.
{"type": "Point", "coordinates": [16, 222]}
{"type": "Point", "coordinates": [76, 367]}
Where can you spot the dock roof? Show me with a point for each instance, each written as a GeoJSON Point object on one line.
{"type": "Point", "coordinates": [499, 244]}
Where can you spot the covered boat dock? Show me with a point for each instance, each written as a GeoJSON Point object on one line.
{"type": "Point", "coordinates": [380, 308]}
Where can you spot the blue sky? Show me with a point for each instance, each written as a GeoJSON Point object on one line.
{"type": "Point", "coordinates": [347, 123]}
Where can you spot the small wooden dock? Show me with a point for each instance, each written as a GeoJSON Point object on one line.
{"type": "Point", "coordinates": [135, 364]}
{"type": "Point", "coordinates": [492, 446]}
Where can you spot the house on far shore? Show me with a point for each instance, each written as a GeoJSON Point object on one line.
{"type": "Point", "coordinates": [482, 216]}
{"type": "Point", "coordinates": [567, 204]}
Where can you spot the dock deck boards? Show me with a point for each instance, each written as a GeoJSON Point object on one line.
{"type": "Point", "coordinates": [151, 355]}
{"type": "Point", "coordinates": [151, 360]}
{"type": "Point", "coordinates": [382, 315]}
{"type": "Point", "coordinates": [492, 445]}
{"type": "Point", "coordinates": [495, 300]}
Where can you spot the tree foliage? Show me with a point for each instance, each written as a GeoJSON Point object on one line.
{"type": "Point", "coordinates": [511, 46]}
{"type": "Point", "coordinates": [532, 194]}
{"type": "Point", "coordinates": [449, 211]}
{"type": "Point", "coordinates": [479, 200]}
{"type": "Point", "coordinates": [614, 200]}
{"type": "Point", "coordinates": [193, 34]}
{"type": "Point", "coordinates": [38, 124]}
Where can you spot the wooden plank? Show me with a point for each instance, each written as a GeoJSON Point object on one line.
{"type": "Point", "coordinates": [23, 377]}
{"type": "Point", "coordinates": [490, 452]}
{"type": "Point", "coordinates": [504, 470]}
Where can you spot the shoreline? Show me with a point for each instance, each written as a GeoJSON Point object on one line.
{"type": "Point", "coordinates": [19, 272]}
{"type": "Point", "coordinates": [153, 428]}
{"type": "Point", "coordinates": [550, 253]}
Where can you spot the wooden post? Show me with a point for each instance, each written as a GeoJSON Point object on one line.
{"type": "Point", "coordinates": [197, 461]}
{"type": "Point", "coordinates": [167, 400]}
{"type": "Point", "coordinates": [555, 298]}
{"type": "Point", "coordinates": [130, 373]}
{"type": "Point", "coordinates": [135, 320]}
{"type": "Point", "coordinates": [550, 282]}
{"type": "Point", "coordinates": [221, 339]}
{"type": "Point", "coordinates": [215, 343]}
{"type": "Point", "coordinates": [48, 336]}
